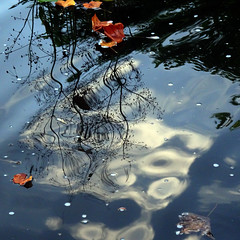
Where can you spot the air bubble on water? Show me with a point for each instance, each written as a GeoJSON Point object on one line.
{"type": "Point", "coordinates": [19, 79]}
{"type": "Point", "coordinates": [107, 204]}
{"type": "Point", "coordinates": [151, 53]}
{"type": "Point", "coordinates": [179, 102]}
{"type": "Point", "coordinates": [33, 154]}
{"type": "Point", "coordinates": [11, 213]}
{"type": "Point", "coordinates": [232, 167]}
{"type": "Point", "coordinates": [152, 33]}
{"type": "Point", "coordinates": [171, 23]}
{"type": "Point", "coordinates": [22, 151]}
{"type": "Point", "coordinates": [231, 175]}
{"type": "Point", "coordinates": [55, 89]}
{"type": "Point", "coordinates": [194, 153]}
{"type": "Point", "coordinates": [59, 234]}
{"type": "Point", "coordinates": [178, 233]}
{"type": "Point", "coordinates": [195, 16]}
{"type": "Point", "coordinates": [216, 165]}
{"type": "Point", "coordinates": [10, 126]}
{"type": "Point", "coordinates": [113, 174]}
{"type": "Point", "coordinates": [67, 204]}
{"type": "Point", "coordinates": [84, 221]}
{"type": "Point", "coordinates": [197, 30]}
{"type": "Point", "coordinates": [5, 156]}
{"type": "Point", "coordinates": [228, 56]}
{"type": "Point", "coordinates": [165, 139]}
{"type": "Point", "coordinates": [4, 44]}
{"type": "Point", "coordinates": [5, 175]}
{"type": "Point", "coordinates": [66, 74]}
{"type": "Point", "coordinates": [165, 180]}
{"type": "Point", "coordinates": [179, 226]}
{"type": "Point", "coordinates": [170, 84]}
{"type": "Point", "coordinates": [198, 104]}
{"type": "Point", "coordinates": [84, 215]}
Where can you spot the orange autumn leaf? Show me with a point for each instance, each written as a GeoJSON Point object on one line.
{"type": "Point", "coordinates": [107, 44]}
{"type": "Point", "coordinates": [21, 179]}
{"type": "Point", "coordinates": [114, 32]}
{"type": "Point", "coordinates": [97, 24]}
{"type": "Point", "coordinates": [92, 4]}
{"type": "Point", "coordinates": [65, 3]}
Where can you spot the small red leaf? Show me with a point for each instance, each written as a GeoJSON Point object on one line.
{"type": "Point", "coordinates": [97, 24]}
{"type": "Point", "coordinates": [115, 32]}
{"type": "Point", "coordinates": [92, 4]}
{"type": "Point", "coordinates": [21, 179]}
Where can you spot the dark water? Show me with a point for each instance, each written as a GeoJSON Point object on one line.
{"type": "Point", "coordinates": [150, 127]}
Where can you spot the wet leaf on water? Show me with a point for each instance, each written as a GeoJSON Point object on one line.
{"type": "Point", "coordinates": [66, 3]}
{"type": "Point", "coordinates": [97, 24]}
{"type": "Point", "coordinates": [92, 4]}
{"type": "Point", "coordinates": [190, 222]}
{"type": "Point", "coordinates": [107, 44]}
{"type": "Point", "coordinates": [22, 179]}
{"type": "Point", "coordinates": [114, 32]}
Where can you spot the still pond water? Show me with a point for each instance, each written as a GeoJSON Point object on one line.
{"type": "Point", "coordinates": [119, 141]}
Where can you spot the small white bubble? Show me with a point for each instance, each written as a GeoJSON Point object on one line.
{"type": "Point", "coordinates": [232, 167]}
{"type": "Point", "coordinates": [84, 221]}
{"type": "Point", "coordinates": [170, 23]}
{"type": "Point", "coordinates": [59, 234]}
{"type": "Point", "coordinates": [4, 44]}
{"type": "Point", "coordinates": [22, 151]}
{"type": "Point", "coordinates": [216, 165]}
{"type": "Point", "coordinates": [178, 233]}
{"type": "Point", "coordinates": [55, 89]}
{"type": "Point", "coordinates": [198, 104]}
{"type": "Point", "coordinates": [10, 126]}
{"type": "Point", "coordinates": [66, 74]}
{"type": "Point", "coordinates": [5, 156]}
{"type": "Point", "coordinates": [84, 215]}
{"type": "Point", "coordinates": [179, 226]}
{"type": "Point", "coordinates": [33, 154]}
{"type": "Point", "coordinates": [228, 56]}
{"type": "Point", "coordinates": [107, 204]}
{"type": "Point", "coordinates": [195, 16]}
{"type": "Point", "coordinates": [5, 175]}
{"type": "Point", "coordinates": [197, 30]}
{"type": "Point", "coordinates": [11, 213]}
{"type": "Point", "coordinates": [170, 84]}
{"type": "Point", "coordinates": [165, 180]}
{"type": "Point", "coordinates": [113, 174]}
{"type": "Point", "coordinates": [67, 204]}
{"type": "Point", "coordinates": [231, 175]}
{"type": "Point", "coordinates": [19, 79]}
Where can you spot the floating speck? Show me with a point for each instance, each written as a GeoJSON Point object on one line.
{"type": "Point", "coordinates": [67, 204]}
{"type": "Point", "coordinates": [84, 215]}
{"type": "Point", "coordinates": [19, 79]}
{"type": "Point", "coordinates": [153, 37]}
{"type": "Point", "coordinates": [55, 89]}
{"type": "Point", "coordinates": [33, 154]}
{"type": "Point", "coordinates": [179, 102]}
{"type": "Point", "coordinates": [10, 126]}
{"type": "Point", "coordinates": [170, 84]}
{"type": "Point", "coordinates": [228, 56]}
{"type": "Point", "coordinates": [197, 30]}
{"type": "Point", "coordinates": [198, 104]}
{"type": "Point", "coordinates": [195, 16]}
{"type": "Point", "coordinates": [194, 153]}
{"type": "Point", "coordinates": [232, 167]}
{"type": "Point", "coordinates": [22, 151]}
{"type": "Point", "coordinates": [113, 174]}
{"type": "Point", "coordinates": [66, 74]}
{"type": "Point", "coordinates": [5, 156]}
{"type": "Point", "coordinates": [152, 33]}
{"type": "Point", "coordinates": [231, 175]}
{"type": "Point", "coordinates": [4, 44]}
{"type": "Point", "coordinates": [84, 221]}
{"type": "Point", "coordinates": [107, 204]}
{"type": "Point", "coordinates": [122, 209]}
{"type": "Point", "coordinates": [5, 175]}
{"type": "Point", "coordinates": [11, 213]}
{"type": "Point", "coordinates": [59, 234]}
{"type": "Point", "coordinates": [216, 165]}
{"type": "Point", "coordinates": [170, 23]}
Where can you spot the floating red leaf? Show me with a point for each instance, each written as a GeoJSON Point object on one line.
{"type": "Point", "coordinates": [21, 179]}
{"type": "Point", "coordinates": [65, 3]}
{"type": "Point", "coordinates": [97, 24]}
{"type": "Point", "coordinates": [114, 32]}
{"type": "Point", "coordinates": [92, 4]}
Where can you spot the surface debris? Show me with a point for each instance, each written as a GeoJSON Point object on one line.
{"type": "Point", "coordinates": [191, 222]}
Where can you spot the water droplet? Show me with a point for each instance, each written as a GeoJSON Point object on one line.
{"type": "Point", "coordinates": [84, 215]}
{"type": "Point", "coordinates": [5, 156]}
{"type": "Point", "coordinates": [66, 74]}
{"type": "Point", "coordinates": [22, 151]}
{"type": "Point", "coordinates": [84, 221]}
{"type": "Point", "coordinates": [55, 89]}
{"type": "Point", "coordinates": [11, 213]}
{"type": "Point", "coordinates": [198, 104]}
{"type": "Point", "coordinates": [170, 84]}
{"type": "Point", "coordinates": [231, 175]}
{"type": "Point", "coordinates": [113, 174]}
{"type": "Point", "coordinates": [5, 175]}
{"type": "Point", "coordinates": [216, 165]}
{"type": "Point", "coordinates": [195, 16]}
{"type": "Point", "coordinates": [107, 204]}
{"type": "Point", "coordinates": [170, 23]}
{"type": "Point", "coordinates": [228, 56]}
{"type": "Point", "coordinates": [197, 30]}
{"type": "Point", "coordinates": [4, 44]}
{"type": "Point", "coordinates": [122, 209]}
{"type": "Point", "coordinates": [33, 154]}
{"type": "Point", "coordinates": [67, 204]}
{"type": "Point", "coordinates": [10, 126]}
